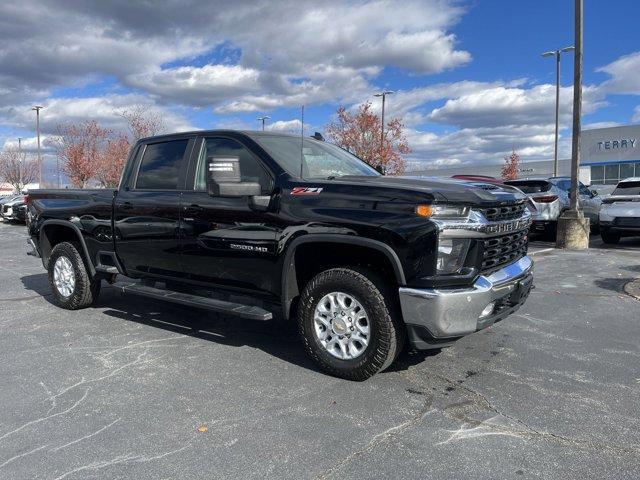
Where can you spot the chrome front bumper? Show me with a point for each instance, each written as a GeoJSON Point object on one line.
{"type": "Point", "coordinates": [454, 312]}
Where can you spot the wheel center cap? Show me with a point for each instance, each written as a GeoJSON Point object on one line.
{"type": "Point", "coordinates": [339, 326]}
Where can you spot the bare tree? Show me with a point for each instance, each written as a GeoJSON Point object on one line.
{"type": "Point", "coordinates": [17, 168]}
{"type": "Point", "coordinates": [142, 122]}
{"type": "Point", "coordinates": [80, 148]}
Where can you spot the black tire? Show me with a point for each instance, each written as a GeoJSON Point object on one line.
{"type": "Point", "coordinates": [609, 237]}
{"type": "Point", "coordinates": [86, 290]}
{"type": "Point", "coordinates": [387, 333]}
{"type": "Point", "coordinates": [551, 232]}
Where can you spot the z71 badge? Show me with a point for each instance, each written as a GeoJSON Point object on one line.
{"type": "Point", "coordinates": [306, 191]}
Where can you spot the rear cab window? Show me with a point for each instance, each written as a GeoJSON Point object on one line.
{"type": "Point", "coordinates": [160, 165]}
{"type": "Point", "coordinates": [627, 188]}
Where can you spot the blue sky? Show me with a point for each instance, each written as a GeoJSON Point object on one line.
{"type": "Point", "coordinates": [470, 81]}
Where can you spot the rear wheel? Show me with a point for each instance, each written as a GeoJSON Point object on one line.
{"type": "Point", "coordinates": [73, 287]}
{"type": "Point", "coordinates": [609, 237]}
{"type": "Point", "coordinates": [347, 325]}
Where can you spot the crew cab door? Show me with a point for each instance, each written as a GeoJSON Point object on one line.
{"type": "Point", "coordinates": [147, 209]}
{"type": "Point", "coordinates": [229, 241]}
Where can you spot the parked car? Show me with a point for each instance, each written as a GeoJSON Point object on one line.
{"type": "Point", "coordinates": [620, 212]}
{"type": "Point", "coordinates": [551, 198]}
{"type": "Point", "coordinates": [15, 209]}
{"type": "Point", "coordinates": [299, 229]}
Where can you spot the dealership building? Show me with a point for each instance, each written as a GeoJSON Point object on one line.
{"type": "Point", "coordinates": [607, 155]}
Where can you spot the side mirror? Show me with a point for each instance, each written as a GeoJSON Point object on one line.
{"type": "Point", "coordinates": [224, 180]}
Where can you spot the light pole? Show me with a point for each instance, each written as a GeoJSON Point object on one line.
{"type": "Point", "coordinates": [20, 163]}
{"type": "Point", "coordinates": [37, 108]}
{"type": "Point", "coordinates": [573, 227]}
{"type": "Point", "coordinates": [263, 119]}
{"type": "Point", "coordinates": [384, 96]}
{"type": "Point", "coordinates": [557, 53]}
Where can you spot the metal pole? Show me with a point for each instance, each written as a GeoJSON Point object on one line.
{"type": "Point", "coordinates": [577, 107]}
{"type": "Point", "coordinates": [37, 109]}
{"type": "Point", "coordinates": [20, 162]}
{"type": "Point", "coordinates": [384, 96]}
{"type": "Point", "coordinates": [263, 119]}
{"type": "Point", "coordinates": [555, 150]}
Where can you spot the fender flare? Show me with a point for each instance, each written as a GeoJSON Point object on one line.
{"type": "Point", "coordinates": [289, 283]}
{"type": "Point", "coordinates": [78, 233]}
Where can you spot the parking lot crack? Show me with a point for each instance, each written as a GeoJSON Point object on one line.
{"type": "Point", "coordinates": [382, 437]}
{"type": "Point", "coordinates": [525, 430]}
{"type": "Point", "coordinates": [42, 419]}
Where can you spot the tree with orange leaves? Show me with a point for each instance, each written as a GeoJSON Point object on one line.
{"type": "Point", "coordinates": [112, 160]}
{"type": "Point", "coordinates": [80, 148]}
{"type": "Point", "coordinates": [510, 167]}
{"type": "Point", "coordinates": [359, 133]}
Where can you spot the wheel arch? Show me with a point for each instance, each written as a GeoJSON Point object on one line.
{"type": "Point", "coordinates": [293, 279]}
{"type": "Point", "coordinates": [53, 232]}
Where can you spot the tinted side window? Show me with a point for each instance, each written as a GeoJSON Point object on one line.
{"type": "Point", "coordinates": [160, 165]}
{"type": "Point", "coordinates": [251, 169]}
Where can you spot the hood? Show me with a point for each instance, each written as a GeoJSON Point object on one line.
{"type": "Point", "coordinates": [443, 190]}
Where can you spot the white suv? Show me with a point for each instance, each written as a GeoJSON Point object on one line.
{"type": "Point", "coordinates": [620, 213]}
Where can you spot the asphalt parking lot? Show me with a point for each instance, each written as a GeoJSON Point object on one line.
{"type": "Point", "coordinates": [134, 388]}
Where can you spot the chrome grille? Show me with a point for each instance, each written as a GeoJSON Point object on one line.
{"type": "Point", "coordinates": [507, 212]}
{"type": "Point", "coordinates": [503, 249]}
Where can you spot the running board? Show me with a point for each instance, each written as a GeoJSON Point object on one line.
{"type": "Point", "coordinates": [236, 309]}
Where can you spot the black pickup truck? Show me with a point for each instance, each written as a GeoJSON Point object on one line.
{"type": "Point", "coordinates": [261, 224]}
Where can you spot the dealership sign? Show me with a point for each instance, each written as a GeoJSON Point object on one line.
{"type": "Point", "coordinates": [615, 144]}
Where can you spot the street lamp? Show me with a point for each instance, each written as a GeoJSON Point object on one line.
{"type": "Point", "coordinates": [263, 119]}
{"type": "Point", "coordinates": [20, 163]}
{"type": "Point", "coordinates": [37, 108]}
{"type": "Point", "coordinates": [384, 96]}
{"type": "Point", "coordinates": [557, 53]}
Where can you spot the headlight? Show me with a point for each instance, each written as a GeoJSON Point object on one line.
{"type": "Point", "coordinates": [451, 255]}
{"type": "Point", "coordinates": [450, 211]}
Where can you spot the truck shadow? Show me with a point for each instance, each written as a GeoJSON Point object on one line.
{"type": "Point", "coordinates": [275, 337]}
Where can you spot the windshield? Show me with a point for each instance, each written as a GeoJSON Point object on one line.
{"type": "Point", "coordinates": [627, 188]}
{"type": "Point", "coordinates": [319, 159]}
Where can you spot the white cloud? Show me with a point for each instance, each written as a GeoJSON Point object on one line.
{"type": "Point", "coordinates": [284, 47]}
{"type": "Point", "coordinates": [287, 126]}
{"type": "Point", "coordinates": [624, 75]}
{"type": "Point", "coordinates": [106, 110]}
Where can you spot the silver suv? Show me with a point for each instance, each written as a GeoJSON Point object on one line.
{"type": "Point", "coordinates": [551, 197]}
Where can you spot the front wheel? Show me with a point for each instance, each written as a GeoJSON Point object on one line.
{"type": "Point", "coordinates": [73, 287]}
{"type": "Point", "coordinates": [348, 327]}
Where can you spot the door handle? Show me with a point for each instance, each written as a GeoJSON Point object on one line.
{"type": "Point", "coordinates": [127, 206]}
{"type": "Point", "coordinates": [194, 209]}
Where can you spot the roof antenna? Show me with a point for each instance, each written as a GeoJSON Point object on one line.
{"type": "Point", "coordinates": [301, 141]}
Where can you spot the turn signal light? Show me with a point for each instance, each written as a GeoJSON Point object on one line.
{"type": "Point", "coordinates": [424, 210]}
{"type": "Point", "coordinates": [546, 199]}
